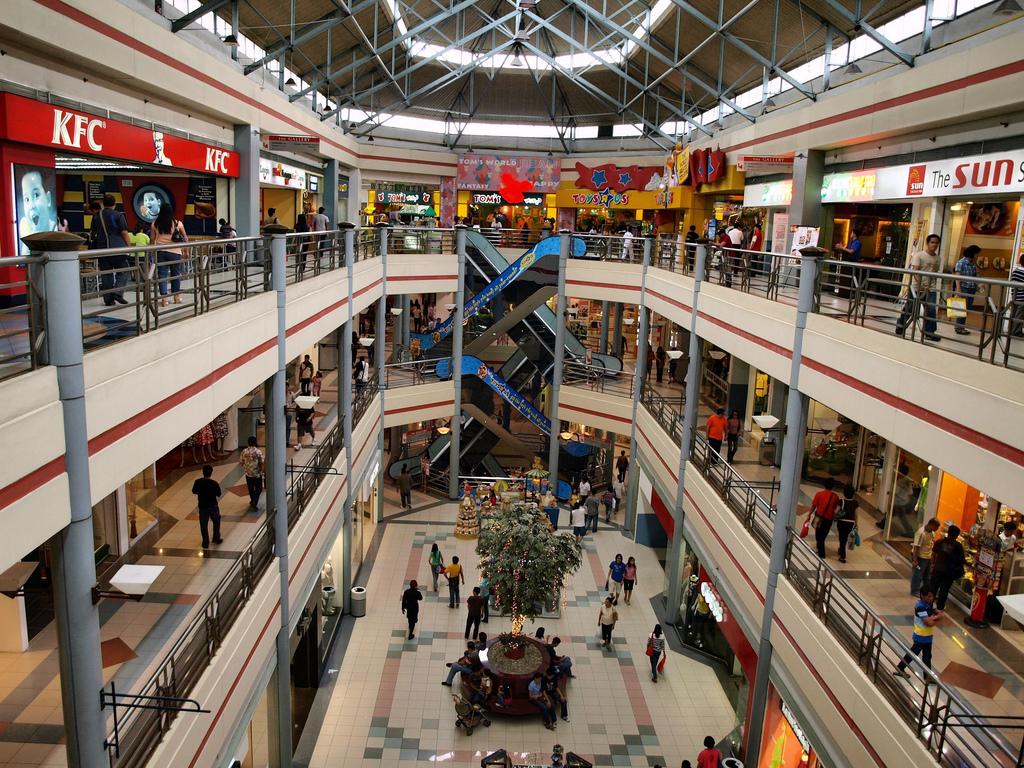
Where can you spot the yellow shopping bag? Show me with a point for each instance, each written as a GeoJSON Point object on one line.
{"type": "Point", "coordinates": [956, 306]}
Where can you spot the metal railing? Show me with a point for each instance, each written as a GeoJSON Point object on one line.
{"type": "Point", "coordinates": [421, 240]}
{"type": "Point", "coordinates": [367, 243]}
{"type": "Point", "coordinates": [22, 318]}
{"type": "Point", "coordinates": [667, 412]}
{"type": "Point", "coordinates": [611, 247]}
{"type": "Point", "coordinates": [597, 378]}
{"type": "Point", "coordinates": [953, 732]}
{"type": "Point", "coordinates": [976, 317]}
{"type": "Point", "coordinates": [409, 373]}
{"type": "Point", "coordinates": [311, 253]}
{"type": "Point", "coordinates": [363, 395]}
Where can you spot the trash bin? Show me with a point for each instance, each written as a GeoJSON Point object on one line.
{"type": "Point", "coordinates": [358, 601]}
{"type": "Point", "coordinates": [766, 454]}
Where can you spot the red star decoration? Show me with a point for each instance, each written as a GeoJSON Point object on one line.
{"type": "Point", "coordinates": [512, 189]}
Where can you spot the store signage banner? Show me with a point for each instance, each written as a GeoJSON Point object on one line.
{"type": "Point", "coordinates": [997, 173]}
{"type": "Point", "coordinates": [484, 172]}
{"type": "Point", "coordinates": [496, 198]}
{"type": "Point", "coordinates": [776, 194]}
{"type": "Point", "coordinates": [35, 122]}
{"type": "Point", "coordinates": [403, 198]}
{"type": "Point", "coordinates": [281, 175]}
{"type": "Point", "coordinates": [754, 164]}
{"type": "Point", "coordinates": [617, 178]}
{"type": "Point", "coordinates": [277, 142]}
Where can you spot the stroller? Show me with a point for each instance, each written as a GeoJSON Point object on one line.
{"type": "Point", "coordinates": [467, 715]}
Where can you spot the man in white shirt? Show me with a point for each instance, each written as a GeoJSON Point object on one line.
{"type": "Point", "coordinates": [627, 244]}
{"type": "Point", "coordinates": [320, 222]}
{"type": "Point", "coordinates": [924, 288]}
{"type": "Point", "coordinates": [578, 518]}
{"type": "Point", "coordinates": [584, 490]}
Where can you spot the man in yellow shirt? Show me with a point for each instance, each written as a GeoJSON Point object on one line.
{"type": "Point", "coordinates": [454, 574]}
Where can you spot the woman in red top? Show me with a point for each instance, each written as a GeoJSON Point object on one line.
{"type": "Point", "coordinates": [709, 756]}
{"type": "Point", "coordinates": [823, 507]}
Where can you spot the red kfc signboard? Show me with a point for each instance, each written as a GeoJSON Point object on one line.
{"type": "Point", "coordinates": [35, 122]}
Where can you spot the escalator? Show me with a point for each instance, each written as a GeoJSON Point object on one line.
{"type": "Point", "coordinates": [525, 285]}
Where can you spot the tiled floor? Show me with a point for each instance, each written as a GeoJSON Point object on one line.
{"type": "Point", "coordinates": [389, 708]}
{"type": "Point", "coordinates": [136, 634]}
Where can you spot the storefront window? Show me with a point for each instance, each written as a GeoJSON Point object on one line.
{"type": "Point", "coordinates": [831, 449]}
{"type": "Point", "coordinates": [989, 224]}
{"type": "Point", "coordinates": [784, 743]}
{"type": "Point", "coordinates": [909, 495]}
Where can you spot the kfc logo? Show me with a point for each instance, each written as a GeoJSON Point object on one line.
{"type": "Point", "coordinates": [217, 160]}
{"type": "Point", "coordinates": [915, 179]}
{"type": "Point", "coordinates": [69, 129]}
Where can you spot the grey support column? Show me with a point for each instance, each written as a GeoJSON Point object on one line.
{"type": "Point", "coordinates": [277, 495]}
{"type": "Point", "coordinates": [617, 349]}
{"type": "Point", "coordinates": [602, 344]}
{"type": "Point", "coordinates": [805, 208]}
{"type": "Point", "coordinates": [355, 194]}
{"type": "Point", "coordinates": [74, 566]}
{"type": "Point", "coordinates": [406, 319]}
{"type": "Point", "coordinates": [455, 442]}
{"type": "Point", "coordinates": [674, 565]}
{"type": "Point", "coordinates": [565, 239]}
{"type": "Point", "coordinates": [330, 194]}
{"type": "Point", "coordinates": [382, 332]}
{"type": "Point", "coordinates": [633, 491]}
{"type": "Point", "coordinates": [247, 188]}
{"type": "Point", "coordinates": [345, 397]}
{"type": "Point", "coordinates": [789, 492]}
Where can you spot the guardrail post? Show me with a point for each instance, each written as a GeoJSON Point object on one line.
{"type": "Point", "coordinates": [789, 479]}
{"type": "Point", "coordinates": [74, 567]}
{"type": "Point", "coordinates": [602, 344]}
{"type": "Point", "coordinates": [565, 244]}
{"type": "Point", "coordinates": [633, 491]}
{"type": "Point", "coordinates": [455, 441]}
{"type": "Point", "coordinates": [345, 353]}
{"type": "Point", "coordinates": [617, 349]}
{"type": "Point", "coordinates": [382, 332]}
{"type": "Point", "coordinates": [674, 566]}
{"type": "Point", "coordinates": [277, 500]}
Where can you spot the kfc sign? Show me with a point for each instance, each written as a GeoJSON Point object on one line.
{"type": "Point", "coordinates": [70, 129]}
{"type": "Point", "coordinates": [34, 122]}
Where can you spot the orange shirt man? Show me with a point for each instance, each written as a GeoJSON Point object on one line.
{"type": "Point", "coordinates": [716, 427]}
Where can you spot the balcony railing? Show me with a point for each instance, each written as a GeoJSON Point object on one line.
{"type": "Point", "coordinates": [362, 396]}
{"type": "Point", "coordinates": [597, 378]}
{"type": "Point", "coordinates": [21, 325]}
{"type": "Point", "coordinates": [409, 373]}
{"type": "Point", "coordinates": [953, 732]}
{"type": "Point", "coordinates": [667, 412]}
{"type": "Point", "coordinates": [421, 240]}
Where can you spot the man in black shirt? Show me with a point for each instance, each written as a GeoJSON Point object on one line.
{"type": "Point", "coordinates": [622, 466]}
{"type": "Point", "coordinates": [207, 490]}
{"type": "Point", "coordinates": [411, 606]}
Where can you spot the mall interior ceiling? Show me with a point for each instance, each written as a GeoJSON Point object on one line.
{"type": "Point", "coordinates": [570, 64]}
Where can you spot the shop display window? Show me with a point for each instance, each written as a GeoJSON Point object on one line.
{"type": "Point", "coordinates": [909, 495]}
{"type": "Point", "coordinates": [784, 743]}
{"type": "Point", "coordinates": [989, 224]}
{"type": "Point", "coordinates": [832, 443]}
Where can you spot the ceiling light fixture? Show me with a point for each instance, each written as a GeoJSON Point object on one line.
{"type": "Point", "coordinates": [1007, 8]}
{"type": "Point", "coordinates": [230, 41]}
{"type": "Point", "coordinates": [770, 103]}
{"type": "Point", "coordinates": [290, 82]}
{"type": "Point", "coordinates": [853, 69]}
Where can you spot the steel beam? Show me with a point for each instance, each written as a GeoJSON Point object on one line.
{"type": "Point", "coordinates": [315, 29]}
{"type": "Point", "coordinates": [861, 25]}
{"type": "Point", "coordinates": [210, 6]}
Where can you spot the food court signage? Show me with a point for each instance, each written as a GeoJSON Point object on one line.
{"type": "Point", "coordinates": [495, 198]}
{"type": "Point", "coordinates": [281, 174]}
{"type": "Point", "coordinates": [35, 122]}
{"type": "Point", "coordinates": [1001, 172]}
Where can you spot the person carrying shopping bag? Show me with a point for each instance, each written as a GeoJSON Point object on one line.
{"type": "Point", "coordinates": [655, 651]}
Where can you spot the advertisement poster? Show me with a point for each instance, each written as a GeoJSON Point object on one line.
{"type": "Point", "coordinates": [35, 201]}
{"type": "Point", "coordinates": [780, 225]}
{"type": "Point", "coordinates": [202, 196]}
{"type": "Point", "coordinates": [149, 199]}
{"type": "Point", "coordinates": [483, 172]}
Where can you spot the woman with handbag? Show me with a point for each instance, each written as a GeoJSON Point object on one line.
{"type": "Point", "coordinates": [655, 649]}
{"type": "Point", "coordinates": [846, 520]}
{"type": "Point", "coordinates": [436, 563]}
{"type": "Point", "coordinates": [607, 616]}
{"type": "Point", "coordinates": [166, 230]}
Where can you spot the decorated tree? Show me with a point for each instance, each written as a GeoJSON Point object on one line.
{"type": "Point", "coordinates": [527, 563]}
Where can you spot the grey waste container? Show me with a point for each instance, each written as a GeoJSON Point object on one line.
{"type": "Point", "coordinates": [358, 601]}
{"type": "Point", "coordinates": [766, 453]}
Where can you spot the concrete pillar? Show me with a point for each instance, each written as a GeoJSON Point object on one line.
{"type": "Point", "coordinates": [565, 238]}
{"type": "Point", "coordinates": [379, 341]}
{"type": "Point", "coordinates": [617, 349]}
{"type": "Point", "coordinates": [330, 192]}
{"type": "Point", "coordinates": [739, 386]}
{"type": "Point", "coordinates": [602, 343]}
{"type": "Point", "coordinates": [277, 494]}
{"type": "Point", "coordinates": [789, 493]}
{"type": "Point", "coordinates": [629, 516]}
{"type": "Point", "coordinates": [247, 188]}
{"type": "Point", "coordinates": [74, 567]}
{"type": "Point", "coordinates": [808, 173]}
{"type": "Point", "coordinates": [455, 442]}
{"type": "Point", "coordinates": [674, 564]}
{"type": "Point", "coordinates": [777, 398]}
{"type": "Point", "coordinates": [355, 195]}
{"type": "Point", "coordinates": [406, 319]}
{"type": "Point", "coordinates": [345, 401]}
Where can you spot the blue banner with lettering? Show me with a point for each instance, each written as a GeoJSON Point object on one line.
{"type": "Point", "coordinates": [549, 246]}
